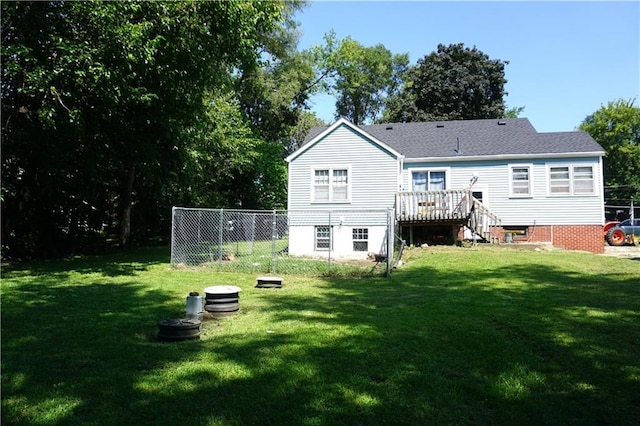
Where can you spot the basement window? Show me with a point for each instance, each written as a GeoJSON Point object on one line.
{"type": "Point", "coordinates": [521, 231]}
{"type": "Point", "coordinates": [323, 238]}
{"type": "Point", "coordinates": [360, 239]}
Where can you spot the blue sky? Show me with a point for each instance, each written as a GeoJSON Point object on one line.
{"type": "Point", "coordinates": [566, 59]}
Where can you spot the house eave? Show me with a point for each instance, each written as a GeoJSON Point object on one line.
{"type": "Point", "coordinates": [334, 126]}
{"type": "Point", "coordinates": [459, 158]}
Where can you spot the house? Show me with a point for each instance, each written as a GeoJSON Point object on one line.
{"type": "Point", "coordinates": [495, 180]}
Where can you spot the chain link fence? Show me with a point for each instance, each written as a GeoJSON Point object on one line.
{"type": "Point", "coordinates": [308, 242]}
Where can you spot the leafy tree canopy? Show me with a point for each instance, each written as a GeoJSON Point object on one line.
{"type": "Point", "coordinates": [106, 107]}
{"type": "Point", "coordinates": [362, 78]}
{"type": "Point", "coordinates": [616, 126]}
{"type": "Point", "coordinates": [453, 83]}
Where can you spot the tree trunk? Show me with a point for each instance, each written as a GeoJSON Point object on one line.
{"type": "Point", "coordinates": [127, 202]}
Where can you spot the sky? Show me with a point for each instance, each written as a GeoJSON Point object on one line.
{"type": "Point", "coordinates": [566, 59]}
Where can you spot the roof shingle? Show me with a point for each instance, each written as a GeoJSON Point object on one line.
{"type": "Point", "coordinates": [488, 137]}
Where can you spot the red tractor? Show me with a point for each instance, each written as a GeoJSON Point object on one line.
{"type": "Point", "coordinates": [621, 233]}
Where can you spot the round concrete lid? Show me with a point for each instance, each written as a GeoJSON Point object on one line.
{"type": "Point", "coordinates": [222, 289]}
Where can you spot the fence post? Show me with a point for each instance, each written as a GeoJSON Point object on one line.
{"type": "Point", "coordinates": [330, 243]}
{"type": "Point", "coordinates": [390, 239]}
{"type": "Point", "coordinates": [221, 235]}
{"type": "Point", "coordinates": [173, 233]}
{"type": "Point", "coordinates": [273, 243]}
{"type": "Point", "coordinates": [253, 233]}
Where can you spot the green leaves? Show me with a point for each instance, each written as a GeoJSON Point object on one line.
{"type": "Point", "coordinates": [362, 78]}
{"type": "Point", "coordinates": [616, 127]}
{"type": "Point", "coordinates": [105, 119]}
{"type": "Point", "coordinates": [453, 83]}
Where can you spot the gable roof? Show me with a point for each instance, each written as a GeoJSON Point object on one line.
{"type": "Point", "coordinates": [318, 133]}
{"type": "Point", "coordinates": [473, 138]}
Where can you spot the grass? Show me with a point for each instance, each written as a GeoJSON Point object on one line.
{"type": "Point", "coordinates": [456, 336]}
{"type": "Point", "coordinates": [270, 257]}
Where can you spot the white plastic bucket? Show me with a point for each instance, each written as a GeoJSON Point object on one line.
{"type": "Point", "coordinates": [194, 307]}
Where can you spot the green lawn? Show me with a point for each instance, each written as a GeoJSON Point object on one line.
{"type": "Point", "coordinates": [456, 336]}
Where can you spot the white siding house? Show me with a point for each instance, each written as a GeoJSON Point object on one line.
{"type": "Point", "coordinates": [543, 187]}
{"type": "Point", "coordinates": [339, 185]}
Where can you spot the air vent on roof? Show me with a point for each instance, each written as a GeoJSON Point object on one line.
{"type": "Point", "coordinates": [458, 150]}
{"type": "Point", "coordinates": [502, 123]}
{"type": "Point", "coordinates": [389, 127]}
{"type": "Point", "coordinates": [439, 125]}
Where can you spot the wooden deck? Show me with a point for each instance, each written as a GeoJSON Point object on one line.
{"type": "Point", "coordinates": [454, 207]}
{"type": "Point", "coordinates": [433, 206]}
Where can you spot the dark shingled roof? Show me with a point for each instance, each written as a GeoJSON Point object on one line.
{"type": "Point", "coordinates": [509, 136]}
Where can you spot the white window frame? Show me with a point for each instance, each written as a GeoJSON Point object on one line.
{"type": "Point", "coordinates": [529, 167]}
{"type": "Point", "coordinates": [359, 232]}
{"type": "Point", "coordinates": [332, 185]}
{"type": "Point", "coordinates": [427, 170]}
{"type": "Point", "coordinates": [316, 229]}
{"type": "Point", "coordinates": [572, 180]}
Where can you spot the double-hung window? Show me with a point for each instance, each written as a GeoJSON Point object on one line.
{"type": "Point", "coordinates": [429, 180]}
{"type": "Point", "coordinates": [559, 180]}
{"type": "Point", "coordinates": [583, 182]}
{"type": "Point", "coordinates": [331, 185]}
{"type": "Point", "coordinates": [521, 181]}
{"type": "Point", "coordinates": [340, 184]}
{"type": "Point", "coordinates": [321, 185]}
{"type": "Point", "coordinates": [571, 180]}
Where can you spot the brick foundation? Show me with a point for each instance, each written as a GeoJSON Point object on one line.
{"type": "Point", "coordinates": [570, 237]}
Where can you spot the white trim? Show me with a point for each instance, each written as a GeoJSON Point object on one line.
{"type": "Point", "coordinates": [399, 173]}
{"type": "Point", "coordinates": [571, 167]}
{"type": "Point", "coordinates": [353, 241]}
{"type": "Point", "coordinates": [445, 169]}
{"type": "Point", "coordinates": [504, 157]}
{"type": "Point", "coordinates": [331, 168]}
{"type": "Point", "coordinates": [549, 180]}
{"type": "Point", "coordinates": [600, 182]}
{"type": "Point", "coordinates": [334, 126]}
{"type": "Point", "coordinates": [484, 189]}
{"type": "Point", "coordinates": [529, 167]}
{"type": "Point", "coordinates": [315, 238]}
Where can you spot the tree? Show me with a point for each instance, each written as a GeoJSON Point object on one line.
{"type": "Point", "coordinates": [513, 112]}
{"type": "Point", "coordinates": [453, 83]}
{"type": "Point", "coordinates": [362, 78]}
{"type": "Point", "coordinates": [99, 104]}
{"type": "Point", "coordinates": [616, 127]}
{"type": "Point", "coordinates": [307, 121]}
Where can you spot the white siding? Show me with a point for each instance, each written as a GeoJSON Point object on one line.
{"type": "Point", "coordinates": [373, 179]}
{"type": "Point", "coordinates": [302, 242]}
{"type": "Point", "coordinates": [541, 208]}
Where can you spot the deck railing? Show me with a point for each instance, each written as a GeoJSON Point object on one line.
{"type": "Point", "coordinates": [425, 206]}
{"type": "Point", "coordinates": [483, 222]}
{"type": "Point", "coordinates": [457, 205]}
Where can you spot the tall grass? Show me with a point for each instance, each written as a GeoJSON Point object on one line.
{"type": "Point", "coordinates": [455, 336]}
